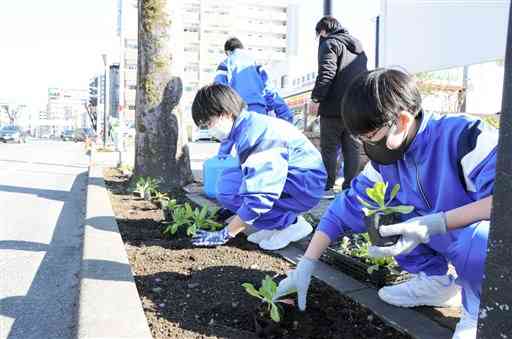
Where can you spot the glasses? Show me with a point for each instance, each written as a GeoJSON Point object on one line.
{"type": "Point", "coordinates": [368, 138]}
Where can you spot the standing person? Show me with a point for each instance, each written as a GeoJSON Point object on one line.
{"type": "Point", "coordinates": [281, 174]}
{"type": "Point", "coordinates": [445, 166]}
{"type": "Point", "coordinates": [340, 59]}
{"type": "Point", "coordinates": [250, 80]}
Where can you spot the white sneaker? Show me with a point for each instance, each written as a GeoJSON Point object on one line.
{"type": "Point", "coordinates": [282, 238]}
{"type": "Point", "coordinates": [466, 327]}
{"type": "Point", "coordinates": [423, 290]}
{"type": "Point", "coordinates": [258, 236]}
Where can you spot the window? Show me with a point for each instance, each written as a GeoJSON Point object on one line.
{"type": "Point", "coordinates": [132, 66]}
{"type": "Point", "coordinates": [134, 87]}
{"type": "Point", "coordinates": [131, 107]}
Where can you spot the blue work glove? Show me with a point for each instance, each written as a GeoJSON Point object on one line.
{"type": "Point", "coordinates": [205, 238]}
{"type": "Point", "coordinates": [299, 279]}
{"type": "Point", "coordinates": [413, 232]}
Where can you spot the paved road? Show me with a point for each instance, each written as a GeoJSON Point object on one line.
{"type": "Point", "coordinates": [42, 191]}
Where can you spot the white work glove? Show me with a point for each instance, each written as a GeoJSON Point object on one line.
{"type": "Point", "coordinates": [413, 232]}
{"type": "Point", "coordinates": [299, 279]}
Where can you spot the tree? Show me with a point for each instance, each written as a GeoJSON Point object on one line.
{"type": "Point", "coordinates": [161, 150]}
{"type": "Point", "coordinates": [12, 114]}
{"type": "Point", "coordinates": [91, 106]}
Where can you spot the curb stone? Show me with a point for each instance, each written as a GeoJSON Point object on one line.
{"type": "Point", "coordinates": [109, 304]}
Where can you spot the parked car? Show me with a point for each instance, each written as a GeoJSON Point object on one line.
{"type": "Point", "coordinates": [83, 133]}
{"type": "Point", "coordinates": [12, 134]}
{"type": "Point", "coordinates": [68, 135]}
{"type": "Point", "coordinates": [203, 133]}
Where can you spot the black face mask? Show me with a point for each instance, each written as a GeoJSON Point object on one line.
{"type": "Point", "coordinates": [381, 154]}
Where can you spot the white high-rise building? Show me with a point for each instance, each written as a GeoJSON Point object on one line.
{"type": "Point", "coordinates": [127, 26]}
{"type": "Point", "coordinates": [65, 108]}
{"type": "Point", "coordinates": [200, 29]}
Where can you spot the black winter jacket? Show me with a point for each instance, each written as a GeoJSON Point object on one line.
{"type": "Point", "coordinates": [340, 59]}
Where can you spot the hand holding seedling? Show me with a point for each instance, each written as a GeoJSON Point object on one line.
{"type": "Point", "coordinates": [298, 279]}
{"type": "Point", "coordinates": [413, 232]}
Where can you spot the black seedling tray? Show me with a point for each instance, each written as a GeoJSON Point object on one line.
{"type": "Point", "coordinates": [359, 269]}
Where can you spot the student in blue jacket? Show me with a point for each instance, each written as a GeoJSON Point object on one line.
{"type": "Point", "coordinates": [281, 173]}
{"type": "Point", "coordinates": [250, 80]}
{"type": "Point", "coordinates": [445, 166]}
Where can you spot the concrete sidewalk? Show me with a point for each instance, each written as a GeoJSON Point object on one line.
{"type": "Point", "coordinates": [109, 304]}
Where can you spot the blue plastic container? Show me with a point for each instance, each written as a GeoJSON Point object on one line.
{"type": "Point", "coordinates": [212, 169]}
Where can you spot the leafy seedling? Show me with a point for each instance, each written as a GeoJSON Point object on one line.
{"type": "Point", "coordinates": [181, 216]}
{"type": "Point", "coordinates": [202, 219]}
{"type": "Point", "coordinates": [266, 294]}
{"type": "Point", "coordinates": [159, 196]}
{"type": "Point", "coordinates": [168, 207]}
{"type": "Point", "coordinates": [360, 249]}
{"type": "Point", "coordinates": [380, 212]}
{"type": "Point", "coordinates": [377, 194]}
{"type": "Point", "coordinates": [146, 187]}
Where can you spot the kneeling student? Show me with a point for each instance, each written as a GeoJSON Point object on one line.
{"type": "Point", "coordinates": [281, 173]}
{"type": "Point", "coordinates": [445, 166]}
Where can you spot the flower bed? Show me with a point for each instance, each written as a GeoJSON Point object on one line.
{"type": "Point", "coordinates": [190, 292]}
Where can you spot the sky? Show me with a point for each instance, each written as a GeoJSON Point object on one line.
{"type": "Point", "coordinates": [52, 43]}
{"type": "Point", "coordinates": [58, 43]}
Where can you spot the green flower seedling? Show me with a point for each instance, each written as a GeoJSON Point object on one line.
{"type": "Point", "coordinates": [266, 294]}
{"type": "Point", "coordinates": [202, 219]}
{"type": "Point", "coordinates": [380, 212]}
{"type": "Point", "coordinates": [377, 194]}
{"type": "Point", "coordinates": [159, 196]}
{"type": "Point", "coordinates": [181, 216]}
{"type": "Point", "coordinates": [146, 187]}
{"type": "Point", "coordinates": [360, 250]}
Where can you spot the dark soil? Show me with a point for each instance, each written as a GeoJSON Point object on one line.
{"type": "Point", "coordinates": [190, 292]}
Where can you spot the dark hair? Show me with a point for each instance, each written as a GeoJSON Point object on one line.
{"type": "Point", "coordinates": [214, 101]}
{"type": "Point", "coordinates": [231, 44]}
{"type": "Point", "coordinates": [328, 24]}
{"type": "Point", "coordinates": [376, 97]}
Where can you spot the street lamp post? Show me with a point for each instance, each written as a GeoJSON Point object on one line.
{"type": "Point", "coordinates": [327, 7]}
{"type": "Point", "coordinates": [105, 101]}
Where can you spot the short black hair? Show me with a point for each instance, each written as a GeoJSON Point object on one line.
{"type": "Point", "coordinates": [231, 44]}
{"type": "Point", "coordinates": [375, 98]}
{"type": "Point", "coordinates": [328, 24]}
{"type": "Point", "coordinates": [214, 101]}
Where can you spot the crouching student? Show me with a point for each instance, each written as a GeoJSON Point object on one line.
{"type": "Point", "coordinates": [445, 166]}
{"type": "Point", "coordinates": [281, 173]}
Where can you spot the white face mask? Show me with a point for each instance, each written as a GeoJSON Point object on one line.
{"type": "Point", "coordinates": [222, 128]}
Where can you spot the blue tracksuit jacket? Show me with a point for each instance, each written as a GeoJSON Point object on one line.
{"type": "Point", "coordinates": [281, 174]}
{"type": "Point", "coordinates": [450, 163]}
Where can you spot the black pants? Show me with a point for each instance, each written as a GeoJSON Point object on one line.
{"type": "Point", "coordinates": [333, 134]}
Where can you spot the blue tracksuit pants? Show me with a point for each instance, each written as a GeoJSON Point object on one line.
{"type": "Point", "coordinates": [283, 213]}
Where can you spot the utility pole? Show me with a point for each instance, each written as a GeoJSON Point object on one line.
{"type": "Point", "coordinates": [496, 300]}
{"type": "Point", "coordinates": [327, 7]}
{"type": "Point", "coordinates": [105, 101]}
